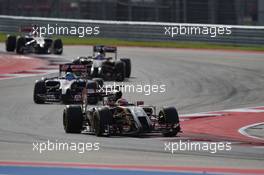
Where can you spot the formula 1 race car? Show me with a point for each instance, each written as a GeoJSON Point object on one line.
{"type": "Point", "coordinates": [120, 118]}
{"type": "Point", "coordinates": [33, 44]}
{"type": "Point", "coordinates": [105, 67]}
{"type": "Point", "coordinates": [67, 88]}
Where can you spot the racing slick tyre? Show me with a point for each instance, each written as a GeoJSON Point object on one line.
{"type": "Point", "coordinates": [10, 43]}
{"type": "Point", "coordinates": [170, 117]}
{"type": "Point", "coordinates": [39, 89]}
{"type": "Point", "coordinates": [120, 71]}
{"type": "Point", "coordinates": [73, 119]}
{"type": "Point", "coordinates": [127, 65]}
{"type": "Point", "coordinates": [103, 118]}
{"type": "Point", "coordinates": [106, 70]}
{"type": "Point", "coordinates": [21, 41]}
{"type": "Point", "coordinates": [57, 47]}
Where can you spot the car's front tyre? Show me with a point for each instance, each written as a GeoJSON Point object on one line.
{"type": "Point", "coordinates": [72, 119]}
{"type": "Point", "coordinates": [57, 47]}
{"type": "Point", "coordinates": [21, 41]}
{"type": "Point", "coordinates": [103, 118]}
{"type": "Point", "coordinates": [127, 66]}
{"type": "Point", "coordinates": [10, 43]}
{"type": "Point", "coordinates": [169, 116]}
{"type": "Point", "coordinates": [120, 71]}
{"type": "Point", "coordinates": [39, 92]}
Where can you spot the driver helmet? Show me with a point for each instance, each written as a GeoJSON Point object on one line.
{"type": "Point", "coordinates": [122, 102]}
{"type": "Point", "coordinates": [100, 55]}
{"type": "Point", "coordinates": [69, 76]}
{"type": "Point", "coordinates": [102, 52]}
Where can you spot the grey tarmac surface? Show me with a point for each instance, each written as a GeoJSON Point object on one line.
{"type": "Point", "coordinates": [196, 81]}
{"type": "Point", "coordinates": [256, 131]}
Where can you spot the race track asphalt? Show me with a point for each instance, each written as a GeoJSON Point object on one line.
{"type": "Point", "coordinates": [195, 80]}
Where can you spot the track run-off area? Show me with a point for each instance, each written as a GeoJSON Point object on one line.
{"type": "Point", "coordinates": [228, 84]}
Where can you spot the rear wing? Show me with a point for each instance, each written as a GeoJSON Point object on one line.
{"type": "Point", "coordinates": [31, 30]}
{"type": "Point", "coordinates": [99, 48]}
{"type": "Point", "coordinates": [105, 49]}
{"type": "Point", "coordinates": [26, 29]}
{"type": "Point", "coordinates": [81, 70]}
{"type": "Point", "coordinates": [98, 92]}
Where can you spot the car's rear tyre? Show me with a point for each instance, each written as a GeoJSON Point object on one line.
{"type": "Point", "coordinates": [127, 66]}
{"type": "Point", "coordinates": [103, 118]}
{"type": "Point", "coordinates": [21, 41]}
{"type": "Point", "coordinates": [39, 90]}
{"type": "Point", "coordinates": [10, 43]}
{"type": "Point", "coordinates": [120, 71]}
{"type": "Point", "coordinates": [169, 115]}
{"type": "Point", "coordinates": [57, 47]}
{"type": "Point", "coordinates": [72, 119]}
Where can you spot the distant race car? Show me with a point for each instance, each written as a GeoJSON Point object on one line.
{"type": "Point", "coordinates": [31, 43]}
{"type": "Point", "coordinates": [68, 88]}
{"type": "Point", "coordinates": [118, 117]}
{"type": "Point", "coordinates": [105, 67]}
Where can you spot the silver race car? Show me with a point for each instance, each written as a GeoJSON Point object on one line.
{"type": "Point", "coordinates": [31, 43]}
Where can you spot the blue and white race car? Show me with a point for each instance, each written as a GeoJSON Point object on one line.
{"type": "Point", "coordinates": [67, 88]}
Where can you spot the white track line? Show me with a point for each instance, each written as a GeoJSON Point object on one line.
{"type": "Point", "coordinates": [243, 132]}
{"type": "Point", "coordinates": [246, 110]}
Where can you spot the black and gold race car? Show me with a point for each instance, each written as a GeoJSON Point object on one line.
{"type": "Point", "coordinates": [118, 117]}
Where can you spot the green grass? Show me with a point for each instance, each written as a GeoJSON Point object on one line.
{"type": "Point", "coordinates": [162, 44]}
{"type": "Point", "coordinates": [2, 37]}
